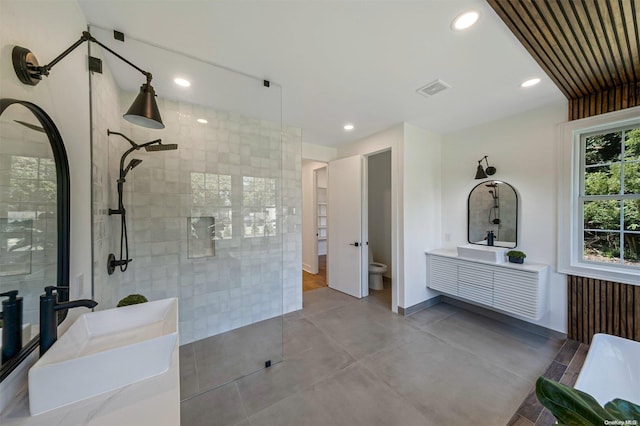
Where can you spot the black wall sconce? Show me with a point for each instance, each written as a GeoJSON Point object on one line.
{"type": "Point", "coordinates": [482, 173]}
{"type": "Point", "coordinates": [144, 109]}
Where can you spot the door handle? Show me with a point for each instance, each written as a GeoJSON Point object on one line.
{"type": "Point", "coordinates": [357, 244]}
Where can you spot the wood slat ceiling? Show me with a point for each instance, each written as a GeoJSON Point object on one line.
{"type": "Point", "coordinates": [587, 47]}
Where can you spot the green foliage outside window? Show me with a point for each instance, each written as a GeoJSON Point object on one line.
{"type": "Point", "coordinates": [612, 170]}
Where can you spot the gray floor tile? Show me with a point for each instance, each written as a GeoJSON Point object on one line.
{"type": "Point", "coordinates": [296, 410]}
{"type": "Point", "coordinates": [363, 330]}
{"type": "Point", "coordinates": [220, 407]}
{"type": "Point", "coordinates": [309, 357]}
{"type": "Point", "coordinates": [507, 350]}
{"type": "Point", "coordinates": [228, 356]}
{"type": "Point", "coordinates": [432, 315]}
{"type": "Point", "coordinates": [450, 386]}
{"type": "Point", "coordinates": [533, 340]}
{"type": "Point", "coordinates": [188, 375]}
{"type": "Point", "coordinates": [324, 299]}
{"type": "Point", "coordinates": [354, 396]}
{"type": "Point", "coordinates": [349, 361]}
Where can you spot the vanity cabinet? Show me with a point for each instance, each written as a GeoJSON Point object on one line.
{"type": "Point", "coordinates": [516, 289]}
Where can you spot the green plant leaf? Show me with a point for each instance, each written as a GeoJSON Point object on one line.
{"type": "Point", "coordinates": [570, 406]}
{"type": "Point", "coordinates": [623, 410]}
{"type": "Point", "coordinates": [132, 299]}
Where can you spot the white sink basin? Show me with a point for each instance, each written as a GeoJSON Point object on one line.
{"type": "Point", "coordinates": [484, 253]}
{"type": "Point", "coordinates": [103, 351]}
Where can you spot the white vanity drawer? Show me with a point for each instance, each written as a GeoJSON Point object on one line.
{"type": "Point", "coordinates": [443, 275]}
{"type": "Point", "coordinates": [475, 273]}
{"type": "Point", "coordinates": [475, 292]}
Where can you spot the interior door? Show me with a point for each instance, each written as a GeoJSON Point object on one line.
{"type": "Point", "coordinates": [344, 270]}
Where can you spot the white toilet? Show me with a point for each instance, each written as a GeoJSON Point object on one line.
{"type": "Point", "coordinates": [375, 273]}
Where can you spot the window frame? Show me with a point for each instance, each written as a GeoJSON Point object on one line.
{"type": "Point", "coordinates": [571, 162]}
{"type": "Point", "coordinates": [620, 197]}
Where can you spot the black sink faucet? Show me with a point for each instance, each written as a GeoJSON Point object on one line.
{"type": "Point", "coordinates": [11, 325]}
{"type": "Point", "coordinates": [49, 320]}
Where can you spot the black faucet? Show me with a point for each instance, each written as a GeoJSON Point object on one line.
{"type": "Point", "coordinates": [490, 237]}
{"type": "Point", "coordinates": [11, 325]}
{"type": "Point", "coordinates": [49, 320]}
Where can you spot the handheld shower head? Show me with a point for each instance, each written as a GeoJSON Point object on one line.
{"type": "Point", "coordinates": [132, 165]}
{"type": "Point", "coordinates": [160, 147]}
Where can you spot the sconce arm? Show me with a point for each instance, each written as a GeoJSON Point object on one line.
{"type": "Point", "coordinates": [86, 36]}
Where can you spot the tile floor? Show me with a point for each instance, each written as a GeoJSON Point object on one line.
{"type": "Point", "coordinates": [353, 362]}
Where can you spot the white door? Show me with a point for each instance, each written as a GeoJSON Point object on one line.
{"type": "Point", "coordinates": [345, 249]}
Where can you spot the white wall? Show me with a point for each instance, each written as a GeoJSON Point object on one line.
{"type": "Point", "coordinates": [308, 216]}
{"type": "Point", "coordinates": [381, 141]}
{"type": "Point", "coordinates": [421, 204]}
{"type": "Point", "coordinates": [318, 152]}
{"type": "Point", "coordinates": [379, 209]}
{"type": "Point", "coordinates": [522, 148]}
{"type": "Point", "coordinates": [415, 204]}
{"type": "Point", "coordinates": [47, 28]}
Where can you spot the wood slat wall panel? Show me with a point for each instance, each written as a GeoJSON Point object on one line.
{"type": "Point", "coordinates": [589, 48]}
{"type": "Point", "coordinates": [613, 99]}
{"type": "Point", "coordinates": [597, 306]}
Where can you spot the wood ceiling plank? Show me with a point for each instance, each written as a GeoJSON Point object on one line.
{"type": "Point", "coordinates": [583, 47]}
{"type": "Point", "coordinates": [597, 11]}
{"type": "Point", "coordinates": [565, 43]}
{"type": "Point", "coordinates": [580, 9]}
{"type": "Point", "coordinates": [614, 27]}
{"type": "Point", "coordinates": [589, 48]}
{"type": "Point", "coordinates": [630, 10]}
{"type": "Point", "coordinates": [523, 30]}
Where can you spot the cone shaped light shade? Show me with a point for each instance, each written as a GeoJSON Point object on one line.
{"type": "Point", "coordinates": [480, 174]}
{"type": "Point", "coordinates": [144, 109]}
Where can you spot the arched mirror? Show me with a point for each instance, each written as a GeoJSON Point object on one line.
{"type": "Point", "coordinates": [34, 214]}
{"type": "Point", "coordinates": [493, 206]}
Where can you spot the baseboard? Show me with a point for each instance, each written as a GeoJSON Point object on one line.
{"type": "Point", "coordinates": [420, 306]}
{"type": "Point", "coordinates": [307, 268]}
{"type": "Point", "coordinates": [506, 319]}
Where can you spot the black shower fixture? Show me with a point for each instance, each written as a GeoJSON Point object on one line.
{"type": "Point", "coordinates": [144, 109]}
{"type": "Point", "coordinates": [153, 146]}
{"type": "Point", "coordinates": [482, 173]}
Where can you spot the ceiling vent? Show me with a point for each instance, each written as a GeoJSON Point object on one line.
{"type": "Point", "coordinates": [432, 88]}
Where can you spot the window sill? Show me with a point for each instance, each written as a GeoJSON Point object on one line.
{"type": "Point", "coordinates": [602, 272]}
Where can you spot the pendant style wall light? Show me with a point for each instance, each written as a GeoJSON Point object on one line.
{"type": "Point", "coordinates": [481, 173]}
{"type": "Point", "coordinates": [144, 109]}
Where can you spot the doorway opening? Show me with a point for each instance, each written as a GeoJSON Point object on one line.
{"type": "Point", "coordinates": [378, 226]}
{"type": "Point", "coordinates": [315, 229]}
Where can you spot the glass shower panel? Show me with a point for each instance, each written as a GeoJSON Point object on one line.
{"type": "Point", "coordinates": [207, 222]}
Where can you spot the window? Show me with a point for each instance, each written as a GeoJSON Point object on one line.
{"type": "Point", "coordinates": [258, 206]}
{"type": "Point", "coordinates": [212, 192]}
{"type": "Point", "coordinates": [609, 196]}
{"type": "Point", "coordinates": [599, 197]}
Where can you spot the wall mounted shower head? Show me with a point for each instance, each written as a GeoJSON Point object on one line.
{"type": "Point", "coordinates": [160, 147]}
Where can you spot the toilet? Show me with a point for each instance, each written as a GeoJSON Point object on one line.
{"type": "Point", "coordinates": [375, 273]}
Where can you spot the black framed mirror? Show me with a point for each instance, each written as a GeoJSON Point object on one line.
{"type": "Point", "coordinates": [34, 214]}
{"type": "Point", "coordinates": [493, 206]}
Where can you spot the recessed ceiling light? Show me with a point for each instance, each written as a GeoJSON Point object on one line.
{"type": "Point", "coordinates": [531, 82]}
{"type": "Point", "coordinates": [348, 127]}
{"type": "Point", "coordinates": [465, 20]}
{"type": "Point", "coordinates": [202, 121]}
{"type": "Point", "coordinates": [182, 82]}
